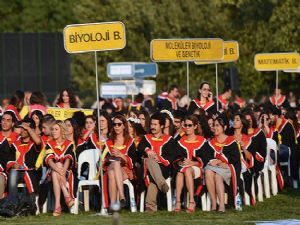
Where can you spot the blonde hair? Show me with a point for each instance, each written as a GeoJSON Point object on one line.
{"type": "Point", "coordinates": [62, 127]}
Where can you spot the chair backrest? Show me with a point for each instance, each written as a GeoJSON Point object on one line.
{"type": "Point", "coordinates": [271, 146]}
{"type": "Point", "coordinates": [90, 156]}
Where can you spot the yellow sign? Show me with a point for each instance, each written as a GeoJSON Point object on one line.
{"type": "Point", "coordinates": [231, 53]}
{"type": "Point", "coordinates": [276, 61]}
{"type": "Point", "coordinates": [94, 37]}
{"type": "Point", "coordinates": [183, 50]}
{"type": "Point", "coordinates": [63, 114]}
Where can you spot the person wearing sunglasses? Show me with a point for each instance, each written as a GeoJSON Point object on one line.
{"type": "Point", "coordinates": [119, 157]}
{"type": "Point", "coordinates": [225, 166]}
{"type": "Point", "coordinates": [191, 157]}
{"type": "Point", "coordinates": [204, 100]}
{"type": "Point", "coordinates": [159, 151]}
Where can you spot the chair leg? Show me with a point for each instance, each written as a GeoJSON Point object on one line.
{"type": "Point", "coordinates": [266, 183]}
{"type": "Point", "coordinates": [208, 202]}
{"type": "Point", "coordinates": [274, 185]}
{"type": "Point", "coordinates": [131, 196]}
{"type": "Point", "coordinates": [203, 202]}
{"type": "Point", "coordinates": [76, 204]}
{"type": "Point", "coordinates": [142, 201]}
{"type": "Point", "coordinates": [86, 200]}
{"type": "Point", "coordinates": [260, 191]}
{"type": "Point", "coordinates": [169, 195]}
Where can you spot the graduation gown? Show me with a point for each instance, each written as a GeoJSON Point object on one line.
{"type": "Point", "coordinates": [60, 153]}
{"type": "Point", "coordinates": [287, 136]}
{"type": "Point", "coordinates": [26, 154]}
{"type": "Point", "coordinates": [5, 155]}
{"type": "Point", "coordinates": [195, 150]}
{"type": "Point", "coordinates": [169, 104]}
{"type": "Point", "coordinates": [166, 149]}
{"type": "Point", "coordinates": [209, 107]}
{"type": "Point", "coordinates": [258, 149]}
{"type": "Point", "coordinates": [228, 152]}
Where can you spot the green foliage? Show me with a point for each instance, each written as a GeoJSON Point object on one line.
{"type": "Point", "coordinates": [258, 26]}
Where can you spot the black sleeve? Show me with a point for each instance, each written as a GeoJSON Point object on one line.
{"type": "Point", "coordinates": [4, 155]}
{"type": "Point", "coordinates": [206, 153]}
{"type": "Point", "coordinates": [192, 108]}
{"type": "Point", "coordinates": [142, 147]}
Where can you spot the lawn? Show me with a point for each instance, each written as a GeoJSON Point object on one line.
{"type": "Point", "coordinates": [283, 206]}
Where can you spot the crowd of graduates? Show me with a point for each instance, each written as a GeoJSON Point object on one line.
{"type": "Point", "coordinates": [207, 145]}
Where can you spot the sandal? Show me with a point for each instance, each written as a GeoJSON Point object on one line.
{"type": "Point", "coordinates": [178, 209]}
{"type": "Point", "coordinates": [191, 209]}
{"type": "Point", "coordinates": [69, 201]}
{"type": "Point", "coordinates": [57, 211]}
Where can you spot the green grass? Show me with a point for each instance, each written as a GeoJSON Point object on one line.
{"type": "Point", "coordinates": [283, 206]}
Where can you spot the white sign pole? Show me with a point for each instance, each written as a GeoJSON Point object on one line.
{"type": "Point", "coordinates": [103, 210]}
{"type": "Point", "coordinates": [276, 87]}
{"type": "Point", "coordinates": [217, 88]}
{"type": "Point", "coordinates": [188, 79]}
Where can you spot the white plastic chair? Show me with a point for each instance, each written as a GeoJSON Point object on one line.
{"type": "Point", "coordinates": [169, 198]}
{"type": "Point", "coordinates": [90, 156]}
{"type": "Point", "coordinates": [131, 195]}
{"type": "Point", "coordinates": [272, 146]}
{"type": "Point", "coordinates": [288, 162]}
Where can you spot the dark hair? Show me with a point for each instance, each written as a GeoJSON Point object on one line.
{"type": "Point", "coordinates": [245, 123]}
{"type": "Point", "coordinates": [254, 122]}
{"type": "Point", "coordinates": [138, 129]}
{"type": "Point", "coordinates": [76, 130]}
{"type": "Point", "coordinates": [160, 117]}
{"type": "Point", "coordinates": [147, 119]}
{"type": "Point", "coordinates": [179, 114]}
{"type": "Point", "coordinates": [80, 119]}
{"type": "Point", "coordinates": [48, 118]}
{"type": "Point", "coordinates": [13, 116]}
{"type": "Point", "coordinates": [172, 87]}
{"type": "Point", "coordinates": [203, 122]}
{"type": "Point", "coordinates": [40, 115]}
{"type": "Point", "coordinates": [17, 99]}
{"type": "Point", "coordinates": [195, 121]}
{"type": "Point", "coordinates": [38, 98]}
{"type": "Point", "coordinates": [108, 119]}
{"type": "Point", "coordinates": [223, 121]}
{"type": "Point", "coordinates": [126, 134]}
{"type": "Point", "coordinates": [200, 87]}
{"type": "Point", "coordinates": [139, 98]}
{"type": "Point", "coordinates": [172, 127]}
{"type": "Point", "coordinates": [73, 103]}
{"type": "Point", "coordinates": [28, 120]}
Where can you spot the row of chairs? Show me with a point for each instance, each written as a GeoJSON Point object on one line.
{"type": "Point", "coordinates": [267, 181]}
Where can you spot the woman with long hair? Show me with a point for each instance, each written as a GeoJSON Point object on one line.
{"type": "Point", "coordinates": [240, 129]}
{"type": "Point", "coordinates": [144, 117]}
{"type": "Point", "coordinates": [169, 128]}
{"type": "Point", "coordinates": [189, 164]}
{"type": "Point", "coordinates": [136, 130]}
{"type": "Point", "coordinates": [203, 101]}
{"type": "Point", "coordinates": [224, 166]}
{"type": "Point", "coordinates": [89, 127]}
{"type": "Point", "coordinates": [38, 117]}
{"type": "Point", "coordinates": [60, 160]}
{"type": "Point", "coordinates": [119, 157]}
{"type": "Point", "coordinates": [66, 99]}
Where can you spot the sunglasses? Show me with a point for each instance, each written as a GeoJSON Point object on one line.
{"type": "Point", "coordinates": [188, 125]}
{"type": "Point", "coordinates": [117, 124]}
{"type": "Point", "coordinates": [206, 89]}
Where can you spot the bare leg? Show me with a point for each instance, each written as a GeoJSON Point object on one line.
{"type": "Point", "coordinates": [56, 189]}
{"type": "Point", "coordinates": [179, 186]}
{"type": "Point", "coordinates": [189, 182]}
{"type": "Point", "coordinates": [211, 187]}
{"type": "Point", "coordinates": [112, 184]}
{"type": "Point", "coordinates": [63, 182]}
{"type": "Point", "coordinates": [220, 191]}
{"type": "Point", "coordinates": [119, 178]}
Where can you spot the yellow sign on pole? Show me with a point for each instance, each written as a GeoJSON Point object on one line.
{"type": "Point", "coordinates": [94, 37]}
{"type": "Point", "coordinates": [231, 53]}
{"type": "Point", "coordinates": [185, 50]}
{"type": "Point", "coordinates": [276, 61]}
